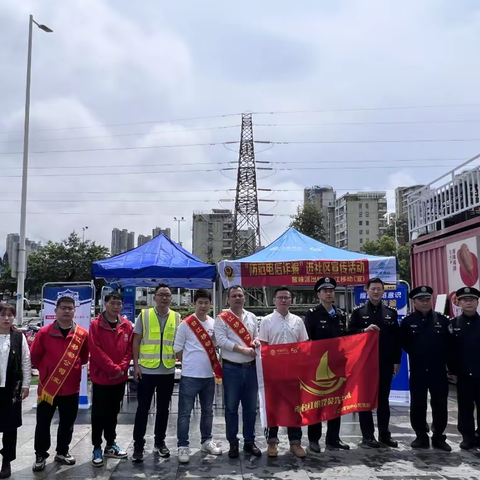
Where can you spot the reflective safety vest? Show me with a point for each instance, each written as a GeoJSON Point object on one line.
{"type": "Point", "coordinates": [156, 346]}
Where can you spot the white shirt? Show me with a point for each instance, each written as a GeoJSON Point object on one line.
{"type": "Point", "coordinates": [226, 338]}
{"type": "Point", "coordinates": [195, 361]}
{"type": "Point", "coordinates": [26, 363]}
{"type": "Point", "coordinates": [276, 329]}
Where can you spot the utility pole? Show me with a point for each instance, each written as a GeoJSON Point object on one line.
{"type": "Point", "coordinates": [83, 234]}
{"type": "Point", "coordinates": [246, 224]}
{"type": "Point", "coordinates": [22, 264]}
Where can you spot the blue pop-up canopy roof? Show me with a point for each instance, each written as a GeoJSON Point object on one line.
{"type": "Point", "coordinates": [293, 245]}
{"type": "Point", "coordinates": [160, 260]}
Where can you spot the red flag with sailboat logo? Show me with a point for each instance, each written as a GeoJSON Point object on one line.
{"type": "Point", "coordinates": [311, 382]}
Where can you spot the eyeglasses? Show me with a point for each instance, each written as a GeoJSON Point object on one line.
{"type": "Point", "coordinates": [164, 295]}
{"type": "Point", "coordinates": [376, 290]}
{"type": "Point", "coordinates": [284, 299]}
{"type": "Point", "coordinates": [66, 309]}
{"type": "Point", "coordinates": [115, 304]}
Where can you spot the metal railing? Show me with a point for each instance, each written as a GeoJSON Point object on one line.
{"type": "Point", "coordinates": [453, 193]}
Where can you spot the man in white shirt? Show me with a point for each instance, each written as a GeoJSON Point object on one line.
{"type": "Point", "coordinates": [278, 328]}
{"type": "Point", "coordinates": [236, 332]}
{"type": "Point", "coordinates": [197, 375]}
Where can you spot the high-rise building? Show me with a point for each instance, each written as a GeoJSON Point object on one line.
{"type": "Point", "coordinates": [359, 217]}
{"type": "Point", "coordinates": [324, 198]}
{"type": "Point", "coordinates": [158, 231]}
{"type": "Point", "coordinates": [11, 250]}
{"type": "Point", "coordinates": [143, 239]}
{"type": "Point", "coordinates": [401, 195]}
{"type": "Point", "coordinates": [131, 241]}
{"type": "Point", "coordinates": [122, 240]}
{"type": "Point", "coordinates": [212, 235]}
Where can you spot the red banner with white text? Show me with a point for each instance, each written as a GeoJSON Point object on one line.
{"type": "Point", "coordinates": [311, 382]}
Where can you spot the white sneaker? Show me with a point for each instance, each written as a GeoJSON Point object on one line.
{"type": "Point", "coordinates": [183, 454]}
{"type": "Point", "coordinates": [209, 446]}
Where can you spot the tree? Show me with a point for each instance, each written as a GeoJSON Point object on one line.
{"type": "Point", "coordinates": [67, 261]}
{"type": "Point", "coordinates": [386, 248]}
{"type": "Point", "coordinates": [309, 221]}
{"type": "Point", "coordinates": [402, 228]}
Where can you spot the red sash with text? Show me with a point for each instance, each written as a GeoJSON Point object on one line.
{"type": "Point", "coordinates": [64, 367]}
{"type": "Point", "coordinates": [206, 340]}
{"type": "Point", "coordinates": [236, 324]}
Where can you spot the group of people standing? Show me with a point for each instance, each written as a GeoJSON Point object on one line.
{"type": "Point", "coordinates": [159, 337]}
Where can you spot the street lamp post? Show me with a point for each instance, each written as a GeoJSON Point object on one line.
{"type": "Point", "coordinates": [83, 234]}
{"type": "Point", "coordinates": [179, 220]}
{"type": "Point", "coordinates": [23, 209]}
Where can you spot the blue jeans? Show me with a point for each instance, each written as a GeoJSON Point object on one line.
{"type": "Point", "coordinates": [190, 387]}
{"type": "Point", "coordinates": [240, 385]}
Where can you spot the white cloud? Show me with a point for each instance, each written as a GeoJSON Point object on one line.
{"type": "Point", "coordinates": [112, 62]}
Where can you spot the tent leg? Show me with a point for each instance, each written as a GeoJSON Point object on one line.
{"type": "Point", "coordinates": [214, 298]}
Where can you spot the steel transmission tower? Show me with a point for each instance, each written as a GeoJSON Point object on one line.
{"type": "Point", "coordinates": [246, 224]}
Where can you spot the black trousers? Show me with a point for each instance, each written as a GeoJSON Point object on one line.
{"type": "Point", "coordinates": [383, 410]}
{"type": "Point", "coordinates": [9, 450]}
{"type": "Point", "coordinates": [333, 431]}
{"type": "Point", "coordinates": [67, 411]}
{"type": "Point", "coordinates": [422, 382]}
{"type": "Point", "coordinates": [106, 402]}
{"type": "Point", "coordinates": [468, 393]}
{"type": "Point", "coordinates": [163, 384]}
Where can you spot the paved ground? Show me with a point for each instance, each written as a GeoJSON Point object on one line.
{"type": "Point", "coordinates": [358, 463]}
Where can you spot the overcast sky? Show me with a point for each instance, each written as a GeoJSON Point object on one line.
{"type": "Point", "coordinates": [145, 65]}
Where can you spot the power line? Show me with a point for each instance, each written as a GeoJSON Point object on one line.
{"type": "Point", "coordinates": [210, 144]}
{"type": "Point", "coordinates": [368, 109]}
{"type": "Point", "coordinates": [208, 117]}
{"type": "Point", "coordinates": [414, 122]}
{"type": "Point", "coordinates": [331, 142]}
{"type": "Point", "coordinates": [124, 134]}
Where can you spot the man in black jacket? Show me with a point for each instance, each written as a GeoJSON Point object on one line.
{"type": "Point", "coordinates": [326, 321]}
{"type": "Point", "coordinates": [465, 363]}
{"type": "Point", "coordinates": [427, 340]}
{"type": "Point", "coordinates": [374, 315]}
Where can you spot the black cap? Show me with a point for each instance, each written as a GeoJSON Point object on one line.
{"type": "Point", "coordinates": [424, 291]}
{"type": "Point", "coordinates": [325, 282]}
{"type": "Point", "coordinates": [467, 292]}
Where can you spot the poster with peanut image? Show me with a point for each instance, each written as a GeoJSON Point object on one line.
{"type": "Point", "coordinates": [462, 268]}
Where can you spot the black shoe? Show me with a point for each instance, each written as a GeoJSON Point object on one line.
{"type": "Point", "coordinates": [421, 442]}
{"type": "Point", "coordinates": [388, 442]}
{"type": "Point", "coordinates": [314, 447]}
{"type": "Point", "coordinates": [467, 444]}
{"type": "Point", "coordinates": [441, 444]}
{"type": "Point", "coordinates": [6, 471]}
{"type": "Point", "coordinates": [233, 452]}
{"type": "Point", "coordinates": [338, 445]}
{"type": "Point", "coordinates": [251, 449]}
{"type": "Point", "coordinates": [137, 454]}
{"type": "Point", "coordinates": [369, 443]}
{"type": "Point", "coordinates": [162, 450]}
{"type": "Point", "coordinates": [39, 464]}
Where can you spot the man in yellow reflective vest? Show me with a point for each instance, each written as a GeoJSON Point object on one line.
{"type": "Point", "coordinates": [154, 364]}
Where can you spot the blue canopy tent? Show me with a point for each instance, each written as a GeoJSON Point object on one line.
{"type": "Point", "coordinates": [295, 259]}
{"type": "Point", "coordinates": [160, 260]}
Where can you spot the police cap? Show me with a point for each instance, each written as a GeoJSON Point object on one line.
{"type": "Point", "coordinates": [325, 282]}
{"type": "Point", "coordinates": [424, 291]}
{"type": "Point", "coordinates": [467, 292]}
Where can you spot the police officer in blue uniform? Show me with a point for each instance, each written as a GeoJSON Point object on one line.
{"type": "Point", "coordinates": [427, 340]}
{"type": "Point", "coordinates": [322, 322]}
{"type": "Point", "coordinates": [374, 315]}
{"type": "Point", "coordinates": [465, 363]}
